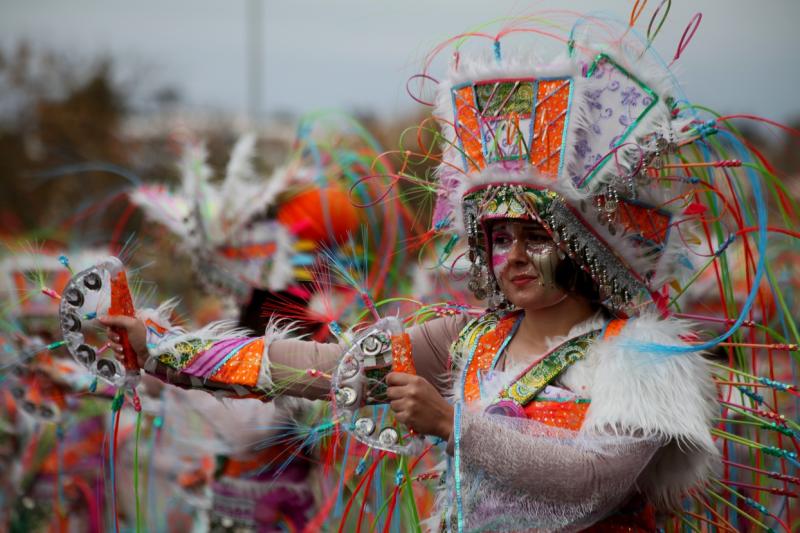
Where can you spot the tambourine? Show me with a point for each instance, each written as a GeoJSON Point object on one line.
{"type": "Point", "coordinates": [359, 382]}
{"type": "Point", "coordinates": [97, 291]}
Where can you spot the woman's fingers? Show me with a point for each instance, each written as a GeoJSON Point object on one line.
{"type": "Point", "coordinates": [399, 378]}
{"type": "Point", "coordinates": [395, 392]}
{"type": "Point", "coordinates": [114, 321]}
{"type": "Point", "coordinates": [120, 321]}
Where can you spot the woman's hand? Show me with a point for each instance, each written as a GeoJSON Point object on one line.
{"type": "Point", "coordinates": [152, 386]}
{"type": "Point", "coordinates": [137, 335]}
{"type": "Point", "coordinates": [418, 405]}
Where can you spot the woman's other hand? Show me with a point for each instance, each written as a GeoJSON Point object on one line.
{"type": "Point", "coordinates": [417, 404]}
{"type": "Point", "coordinates": [137, 335]}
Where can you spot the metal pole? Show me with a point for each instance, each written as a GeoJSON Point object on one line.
{"type": "Point", "coordinates": [255, 45]}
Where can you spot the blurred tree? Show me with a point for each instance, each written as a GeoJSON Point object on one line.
{"type": "Point", "coordinates": [57, 115]}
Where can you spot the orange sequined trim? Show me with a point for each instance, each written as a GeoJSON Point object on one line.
{"type": "Point", "coordinates": [487, 347]}
{"type": "Point", "coordinates": [614, 328]}
{"type": "Point", "coordinates": [648, 221]}
{"type": "Point", "coordinates": [121, 301]}
{"type": "Point", "coordinates": [467, 128]}
{"type": "Point", "coordinates": [402, 361]}
{"type": "Point", "coordinates": [550, 118]}
{"type": "Point", "coordinates": [243, 368]}
{"type": "Point", "coordinates": [122, 304]}
{"type": "Point", "coordinates": [565, 415]}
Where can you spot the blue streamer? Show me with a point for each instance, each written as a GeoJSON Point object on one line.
{"type": "Point", "coordinates": [457, 455]}
{"type": "Point", "coordinates": [761, 212]}
{"type": "Point", "coordinates": [111, 469]}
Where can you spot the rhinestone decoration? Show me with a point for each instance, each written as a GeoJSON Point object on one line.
{"type": "Point", "coordinates": [388, 437]}
{"type": "Point", "coordinates": [346, 396]}
{"type": "Point", "coordinates": [349, 367]}
{"type": "Point", "coordinates": [364, 426]}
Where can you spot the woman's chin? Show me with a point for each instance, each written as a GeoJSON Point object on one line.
{"type": "Point", "coordinates": [535, 297]}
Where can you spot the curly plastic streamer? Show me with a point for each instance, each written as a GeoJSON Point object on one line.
{"type": "Point", "coordinates": [688, 35]}
{"type": "Point", "coordinates": [652, 34]}
{"type": "Point", "coordinates": [424, 78]}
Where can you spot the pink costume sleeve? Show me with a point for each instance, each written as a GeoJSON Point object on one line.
{"type": "Point", "coordinates": [228, 362]}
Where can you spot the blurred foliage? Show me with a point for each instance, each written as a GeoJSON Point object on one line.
{"type": "Point", "coordinates": [60, 116]}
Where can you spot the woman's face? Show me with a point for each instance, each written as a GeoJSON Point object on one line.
{"type": "Point", "coordinates": [524, 258]}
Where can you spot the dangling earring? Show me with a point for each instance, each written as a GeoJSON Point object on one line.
{"type": "Point", "coordinates": [498, 298]}
{"type": "Point", "coordinates": [477, 279]}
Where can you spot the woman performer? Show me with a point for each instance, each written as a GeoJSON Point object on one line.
{"type": "Point", "coordinates": [562, 413]}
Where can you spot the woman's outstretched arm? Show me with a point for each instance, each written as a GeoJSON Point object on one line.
{"type": "Point", "coordinates": [229, 362]}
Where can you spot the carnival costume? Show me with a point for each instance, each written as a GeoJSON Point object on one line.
{"type": "Point", "coordinates": [271, 234]}
{"type": "Point", "coordinates": [613, 428]}
{"type": "Point", "coordinates": [600, 425]}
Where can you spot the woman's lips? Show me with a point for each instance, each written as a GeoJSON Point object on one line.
{"type": "Point", "coordinates": [522, 280]}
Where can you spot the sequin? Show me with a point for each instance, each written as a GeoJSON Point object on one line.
{"type": "Point", "coordinates": [184, 353]}
{"type": "Point", "coordinates": [526, 386]}
{"type": "Point", "coordinates": [564, 415]}
{"type": "Point", "coordinates": [482, 340]}
{"type": "Point", "coordinates": [518, 119]}
{"type": "Point", "coordinates": [505, 98]}
{"type": "Point", "coordinates": [402, 361]}
{"type": "Point", "coordinates": [550, 118]}
{"type": "Point", "coordinates": [244, 367]}
{"type": "Point", "coordinates": [122, 304]}
{"type": "Point", "coordinates": [650, 222]}
{"type": "Point", "coordinates": [467, 127]}
{"type": "Point", "coordinates": [486, 345]}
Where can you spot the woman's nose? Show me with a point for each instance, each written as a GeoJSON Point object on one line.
{"type": "Point", "coordinates": [517, 253]}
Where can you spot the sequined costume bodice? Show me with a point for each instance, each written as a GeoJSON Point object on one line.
{"type": "Point", "coordinates": [478, 350]}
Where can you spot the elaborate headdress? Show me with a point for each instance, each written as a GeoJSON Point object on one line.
{"type": "Point", "coordinates": [223, 227]}
{"type": "Point", "coordinates": [248, 232]}
{"type": "Point", "coordinates": [575, 143]}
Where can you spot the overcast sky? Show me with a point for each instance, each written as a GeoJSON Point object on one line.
{"type": "Point", "coordinates": [357, 54]}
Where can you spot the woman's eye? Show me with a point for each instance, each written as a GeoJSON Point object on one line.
{"type": "Point", "coordinates": [501, 239]}
{"type": "Point", "coordinates": [537, 237]}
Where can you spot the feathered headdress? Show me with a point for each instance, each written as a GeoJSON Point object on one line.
{"type": "Point", "coordinates": [223, 227]}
